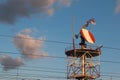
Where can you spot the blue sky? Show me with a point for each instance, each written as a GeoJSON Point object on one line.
{"type": "Point", "coordinates": [52, 21]}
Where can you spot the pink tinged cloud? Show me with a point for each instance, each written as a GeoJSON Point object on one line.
{"type": "Point", "coordinates": [117, 9]}
{"type": "Point", "coordinates": [30, 47]}
{"type": "Point", "coordinates": [65, 2]}
{"type": "Point", "coordinates": [10, 63]}
{"type": "Point", "coordinates": [11, 10]}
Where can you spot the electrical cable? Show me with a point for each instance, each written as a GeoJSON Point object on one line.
{"type": "Point", "coordinates": [1, 52]}
{"type": "Point", "coordinates": [10, 36]}
{"type": "Point", "coordinates": [64, 57]}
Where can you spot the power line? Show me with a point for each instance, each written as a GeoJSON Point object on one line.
{"type": "Point", "coordinates": [59, 57]}
{"type": "Point", "coordinates": [111, 75]}
{"type": "Point", "coordinates": [35, 75]}
{"type": "Point", "coordinates": [48, 76]}
{"type": "Point", "coordinates": [115, 73]}
{"type": "Point", "coordinates": [2, 52]}
{"type": "Point", "coordinates": [60, 42]}
{"type": "Point", "coordinates": [23, 75]}
{"type": "Point", "coordinates": [50, 71]}
{"type": "Point", "coordinates": [36, 39]}
{"type": "Point", "coordinates": [30, 75]}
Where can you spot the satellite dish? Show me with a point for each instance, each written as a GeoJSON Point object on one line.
{"type": "Point", "coordinates": [87, 35]}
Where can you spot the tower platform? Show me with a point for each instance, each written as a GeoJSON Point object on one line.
{"type": "Point", "coordinates": [79, 52]}
{"type": "Point", "coordinates": [80, 77]}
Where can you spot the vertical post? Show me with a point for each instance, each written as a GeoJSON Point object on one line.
{"type": "Point", "coordinates": [83, 61]}
{"type": "Point", "coordinates": [74, 64]}
{"type": "Point", "coordinates": [17, 74]}
{"type": "Point", "coordinates": [83, 66]}
{"type": "Point", "coordinates": [67, 68]}
{"type": "Point", "coordinates": [99, 65]}
{"type": "Point", "coordinates": [73, 36]}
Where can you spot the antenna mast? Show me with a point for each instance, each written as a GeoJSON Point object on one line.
{"type": "Point", "coordinates": [73, 36]}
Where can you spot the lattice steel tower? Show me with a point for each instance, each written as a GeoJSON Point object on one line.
{"type": "Point", "coordinates": [83, 61]}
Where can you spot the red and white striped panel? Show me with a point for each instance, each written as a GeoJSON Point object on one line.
{"type": "Point", "coordinates": [87, 35]}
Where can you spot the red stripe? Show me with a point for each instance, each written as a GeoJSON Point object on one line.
{"type": "Point", "coordinates": [92, 37]}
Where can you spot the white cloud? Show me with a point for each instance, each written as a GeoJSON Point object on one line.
{"type": "Point", "coordinates": [29, 47]}
{"type": "Point", "coordinates": [10, 63]}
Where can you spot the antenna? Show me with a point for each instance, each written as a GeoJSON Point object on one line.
{"type": "Point", "coordinates": [87, 35]}
{"type": "Point", "coordinates": [85, 65]}
{"type": "Point", "coordinates": [73, 38]}
{"type": "Point", "coordinates": [73, 35]}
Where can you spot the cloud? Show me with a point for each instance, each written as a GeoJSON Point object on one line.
{"type": "Point", "coordinates": [117, 9]}
{"type": "Point", "coordinates": [30, 47]}
{"type": "Point", "coordinates": [10, 63]}
{"type": "Point", "coordinates": [65, 2]}
{"type": "Point", "coordinates": [11, 10]}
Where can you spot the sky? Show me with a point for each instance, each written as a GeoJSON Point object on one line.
{"type": "Point", "coordinates": [44, 28]}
